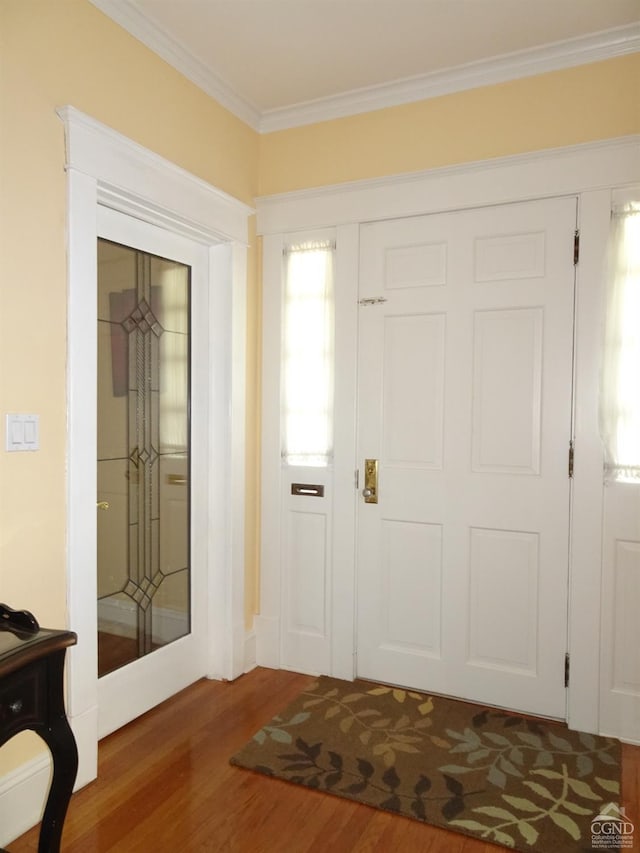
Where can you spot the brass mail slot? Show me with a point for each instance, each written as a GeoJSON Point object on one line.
{"type": "Point", "coordinates": [307, 489]}
{"type": "Point", "coordinates": [177, 479]}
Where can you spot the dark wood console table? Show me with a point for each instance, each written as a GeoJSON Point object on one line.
{"type": "Point", "coordinates": [32, 697]}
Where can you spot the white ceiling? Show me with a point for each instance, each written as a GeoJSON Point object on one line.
{"type": "Point", "coordinates": [279, 63]}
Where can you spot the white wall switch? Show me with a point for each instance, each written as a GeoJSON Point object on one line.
{"type": "Point", "coordinates": [22, 432]}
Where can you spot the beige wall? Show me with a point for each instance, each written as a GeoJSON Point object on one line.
{"type": "Point", "coordinates": [55, 52]}
{"type": "Point", "coordinates": [576, 105]}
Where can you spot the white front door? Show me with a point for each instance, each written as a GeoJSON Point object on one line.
{"type": "Point", "coordinates": [465, 400]}
{"type": "Point", "coordinates": [151, 466]}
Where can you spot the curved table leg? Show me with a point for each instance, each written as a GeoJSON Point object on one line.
{"type": "Point", "coordinates": [64, 752]}
{"type": "Point", "coordinates": [59, 738]}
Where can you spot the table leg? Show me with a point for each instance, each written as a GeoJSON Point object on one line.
{"type": "Point", "coordinates": [60, 740]}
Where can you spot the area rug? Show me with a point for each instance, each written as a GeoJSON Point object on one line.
{"type": "Point", "coordinates": [521, 783]}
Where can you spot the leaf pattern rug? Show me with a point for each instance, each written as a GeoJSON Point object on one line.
{"type": "Point", "coordinates": [519, 782]}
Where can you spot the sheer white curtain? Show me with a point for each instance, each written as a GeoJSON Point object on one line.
{"type": "Point", "coordinates": [620, 387]}
{"type": "Point", "coordinates": [171, 287]}
{"type": "Point", "coordinates": [308, 354]}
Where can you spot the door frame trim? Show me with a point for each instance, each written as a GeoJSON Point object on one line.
{"type": "Point", "coordinates": [104, 167]}
{"type": "Point", "coordinates": [588, 171]}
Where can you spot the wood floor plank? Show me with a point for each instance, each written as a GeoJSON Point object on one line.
{"type": "Point", "coordinates": [165, 785]}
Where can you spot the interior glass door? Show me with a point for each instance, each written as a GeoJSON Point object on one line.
{"type": "Point", "coordinates": [143, 454]}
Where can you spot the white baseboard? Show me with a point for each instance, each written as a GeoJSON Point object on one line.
{"type": "Point", "coordinates": [267, 631]}
{"type": "Point", "coordinates": [119, 617]}
{"type": "Point", "coordinates": [169, 625]}
{"type": "Point", "coordinates": [23, 793]}
{"type": "Point", "coordinates": [85, 730]}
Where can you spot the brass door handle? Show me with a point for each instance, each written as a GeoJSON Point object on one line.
{"type": "Point", "coordinates": [102, 504]}
{"type": "Point", "coordinates": [177, 479]}
{"type": "Point", "coordinates": [370, 491]}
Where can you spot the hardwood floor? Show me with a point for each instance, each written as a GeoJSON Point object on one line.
{"type": "Point", "coordinates": [115, 651]}
{"type": "Point", "coordinates": [165, 784]}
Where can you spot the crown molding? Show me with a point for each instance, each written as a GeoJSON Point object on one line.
{"type": "Point", "coordinates": [607, 44]}
{"type": "Point", "coordinates": [145, 30]}
{"type": "Point", "coordinates": [595, 47]}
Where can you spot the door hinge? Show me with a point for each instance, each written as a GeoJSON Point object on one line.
{"type": "Point", "coordinates": [566, 669]}
{"type": "Point", "coordinates": [576, 247]}
{"type": "Point", "coordinates": [571, 458]}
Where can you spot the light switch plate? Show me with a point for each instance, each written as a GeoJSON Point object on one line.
{"type": "Point", "coordinates": [22, 432]}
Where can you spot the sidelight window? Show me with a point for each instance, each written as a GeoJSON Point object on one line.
{"type": "Point", "coordinates": [308, 344]}
{"type": "Point", "coordinates": [620, 399]}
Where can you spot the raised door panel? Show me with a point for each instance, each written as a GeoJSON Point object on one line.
{"type": "Point", "coordinates": [420, 265]}
{"type": "Point", "coordinates": [413, 405]}
{"type": "Point", "coordinates": [626, 628]}
{"type": "Point", "coordinates": [508, 257]}
{"type": "Point", "coordinates": [410, 587]}
{"type": "Point", "coordinates": [503, 600]}
{"type": "Point", "coordinates": [307, 552]}
{"type": "Point", "coordinates": [507, 391]}
{"type": "Point", "coordinates": [620, 661]}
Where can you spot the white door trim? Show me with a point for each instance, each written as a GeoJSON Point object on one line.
{"type": "Point", "coordinates": [589, 171]}
{"type": "Point", "coordinates": [519, 177]}
{"type": "Point", "coordinates": [104, 167]}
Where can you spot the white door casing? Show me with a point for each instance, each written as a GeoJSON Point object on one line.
{"type": "Point", "coordinates": [588, 171]}
{"type": "Point", "coordinates": [104, 168]}
{"type": "Point", "coordinates": [465, 383]}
